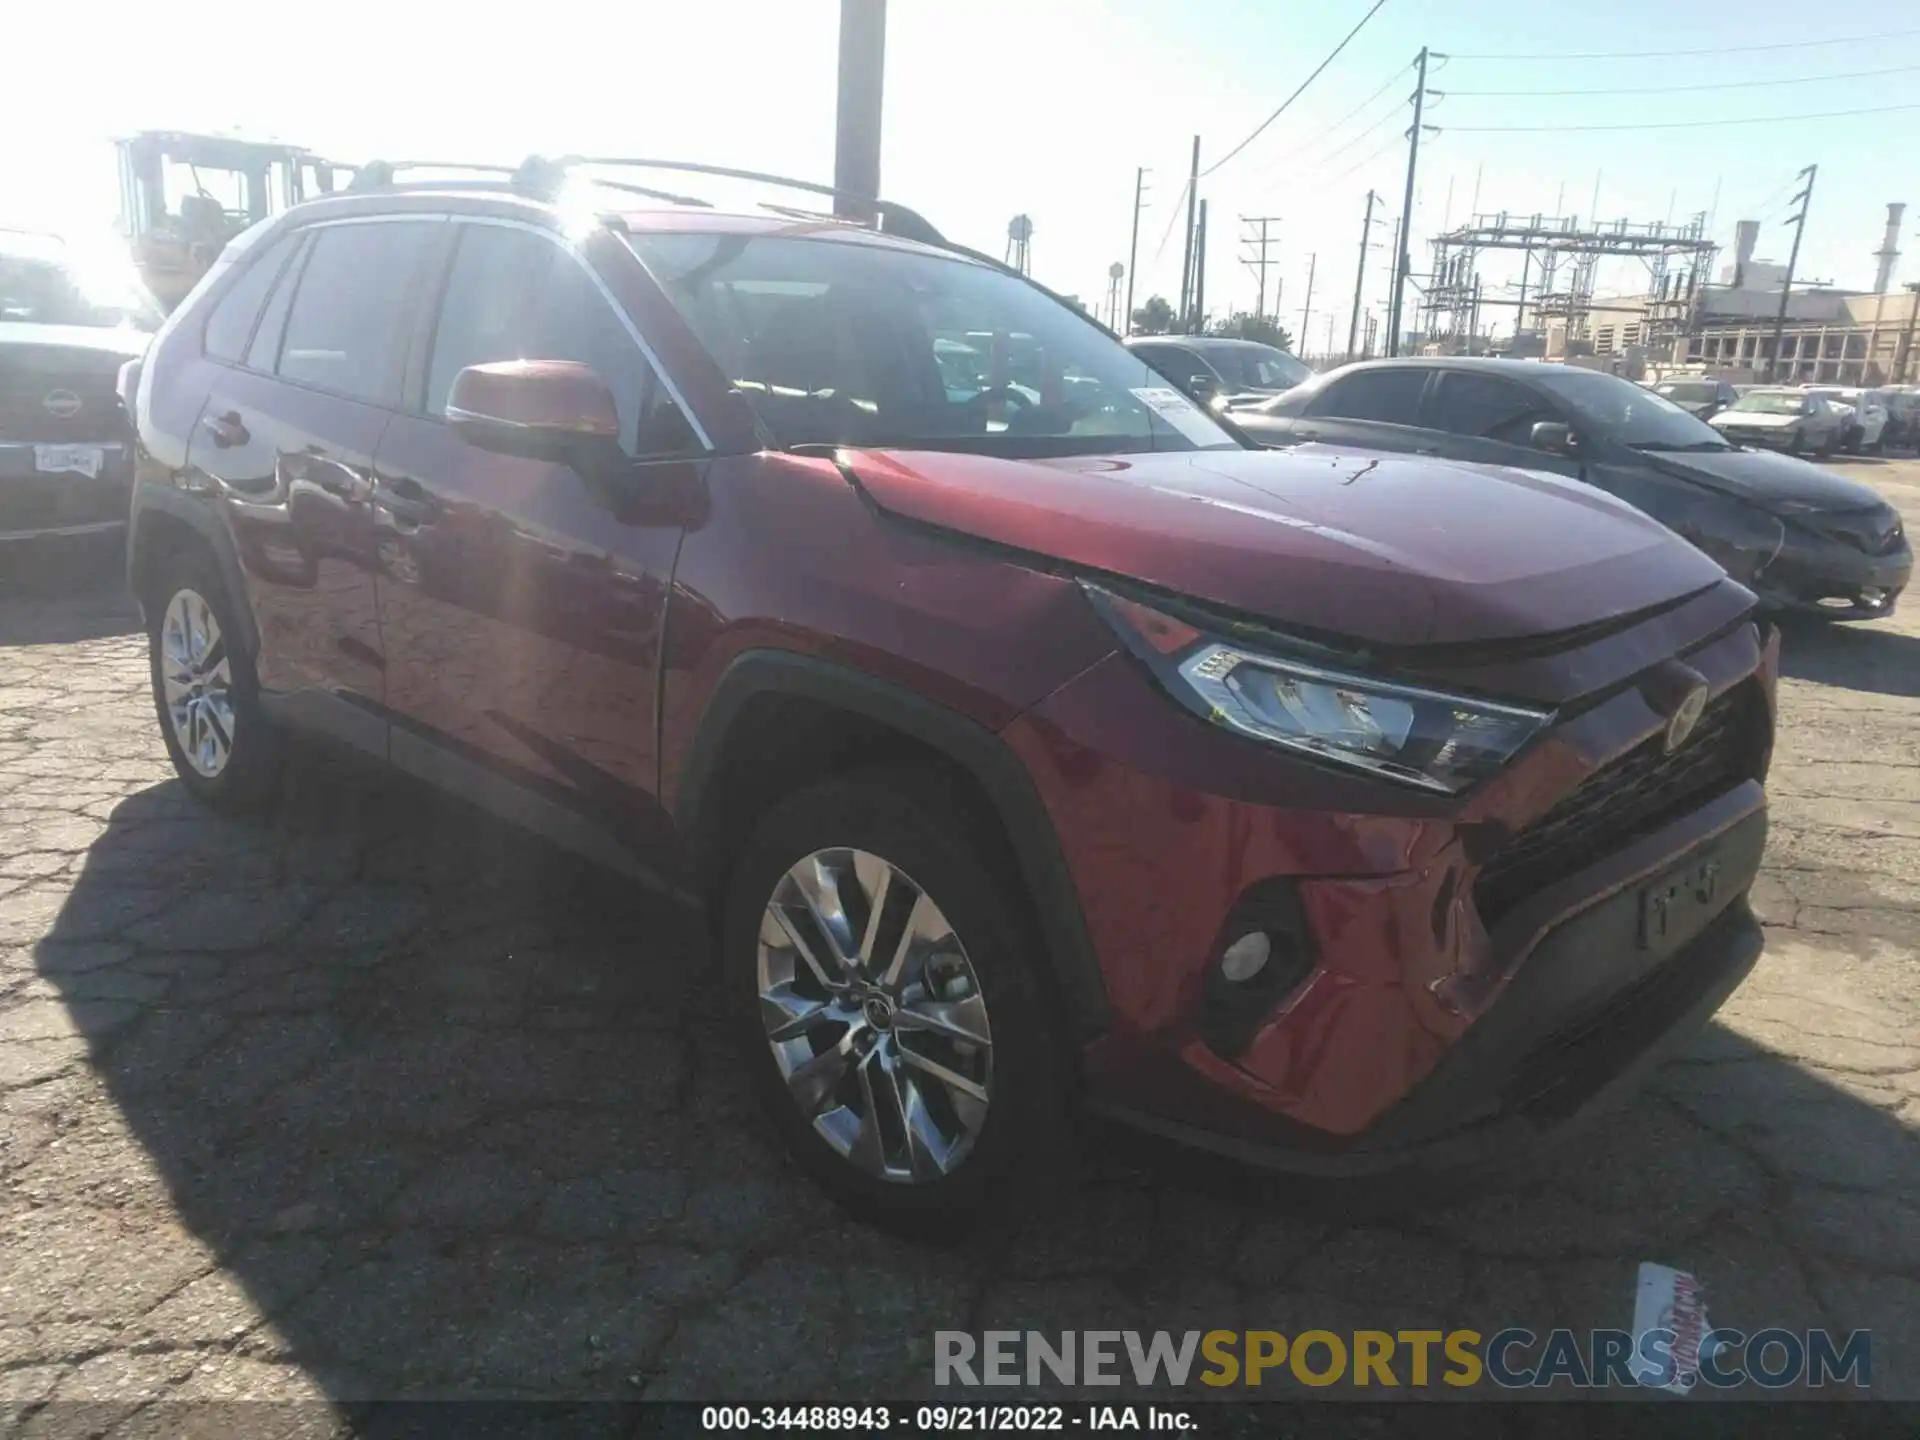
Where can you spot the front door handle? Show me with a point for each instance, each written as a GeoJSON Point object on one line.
{"type": "Point", "coordinates": [227, 430]}
{"type": "Point", "coordinates": [405, 502]}
{"type": "Point", "coordinates": [335, 478]}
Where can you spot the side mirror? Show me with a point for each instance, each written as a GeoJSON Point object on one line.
{"type": "Point", "coordinates": [537, 409]}
{"type": "Point", "coordinates": [1202, 387]}
{"type": "Point", "coordinates": [1554, 437]}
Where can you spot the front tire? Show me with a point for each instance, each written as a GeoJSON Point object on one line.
{"type": "Point", "coordinates": [880, 972]}
{"type": "Point", "coordinates": [205, 692]}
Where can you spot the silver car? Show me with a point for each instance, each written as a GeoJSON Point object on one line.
{"type": "Point", "coordinates": [1776, 418]}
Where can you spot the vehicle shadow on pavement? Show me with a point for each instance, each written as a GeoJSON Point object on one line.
{"type": "Point", "coordinates": [405, 1103]}
{"type": "Point", "coordinates": [1867, 658]}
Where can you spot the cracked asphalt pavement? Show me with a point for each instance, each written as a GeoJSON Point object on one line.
{"type": "Point", "coordinates": [381, 1099]}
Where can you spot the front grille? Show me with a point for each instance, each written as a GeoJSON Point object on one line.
{"type": "Point", "coordinates": [1634, 796]}
{"type": "Point", "coordinates": [28, 376]}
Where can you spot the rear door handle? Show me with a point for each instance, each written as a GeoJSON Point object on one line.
{"type": "Point", "coordinates": [227, 430]}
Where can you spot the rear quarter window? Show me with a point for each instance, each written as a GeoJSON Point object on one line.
{"type": "Point", "coordinates": [230, 322]}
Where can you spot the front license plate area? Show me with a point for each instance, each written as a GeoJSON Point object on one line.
{"type": "Point", "coordinates": [1678, 905]}
{"type": "Point", "coordinates": [84, 460]}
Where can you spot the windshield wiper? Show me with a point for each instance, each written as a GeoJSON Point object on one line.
{"type": "Point", "coordinates": [1690, 445]}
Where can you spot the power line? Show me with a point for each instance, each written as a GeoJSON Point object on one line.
{"type": "Point", "coordinates": [1285, 162]}
{"type": "Point", "coordinates": [1392, 142]}
{"type": "Point", "coordinates": [1172, 220]}
{"type": "Point", "coordinates": [1392, 80]}
{"type": "Point", "coordinates": [1676, 124]}
{"type": "Point", "coordinates": [1331, 57]}
{"type": "Point", "coordinates": [1716, 85]}
{"type": "Point", "coordinates": [1715, 50]}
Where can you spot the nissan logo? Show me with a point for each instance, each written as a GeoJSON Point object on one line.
{"type": "Point", "coordinates": [1680, 726]}
{"type": "Point", "coordinates": [61, 404]}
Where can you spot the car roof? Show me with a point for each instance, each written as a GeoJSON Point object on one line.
{"type": "Point", "coordinates": [621, 213]}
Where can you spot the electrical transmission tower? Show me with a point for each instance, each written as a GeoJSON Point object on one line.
{"type": "Point", "coordinates": [1256, 241]}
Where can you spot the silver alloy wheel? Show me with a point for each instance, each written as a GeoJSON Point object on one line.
{"type": "Point", "coordinates": [197, 679]}
{"type": "Point", "coordinates": [875, 1016]}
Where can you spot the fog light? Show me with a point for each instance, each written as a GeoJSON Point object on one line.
{"type": "Point", "coordinates": [1872, 594]}
{"type": "Point", "coordinates": [1246, 957]}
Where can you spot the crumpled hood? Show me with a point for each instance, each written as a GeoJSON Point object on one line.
{"type": "Point", "coordinates": [1766, 478]}
{"type": "Point", "coordinates": [1387, 549]}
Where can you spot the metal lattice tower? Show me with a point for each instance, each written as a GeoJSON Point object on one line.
{"type": "Point", "coordinates": [1561, 260]}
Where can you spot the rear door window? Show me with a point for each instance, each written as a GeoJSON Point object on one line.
{"type": "Point", "coordinates": [1388, 397]}
{"type": "Point", "coordinates": [1483, 407]}
{"type": "Point", "coordinates": [230, 325]}
{"type": "Point", "coordinates": [352, 306]}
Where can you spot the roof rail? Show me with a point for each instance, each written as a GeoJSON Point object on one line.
{"type": "Point", "coordinates": [383, 174]}
{"type": "Point", "coordinates": [542, 178]}
{"type": "Point", "coordinates": [890, 216]}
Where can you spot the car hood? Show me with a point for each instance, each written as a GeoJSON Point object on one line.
{"type": "Point", "coordinates": [1389, 550]}
{"type": "Point", "coordinates": [1766, 478]}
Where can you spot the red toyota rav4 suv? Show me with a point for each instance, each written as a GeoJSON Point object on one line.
{"type": "Point", "coordinates": [1032, 740]}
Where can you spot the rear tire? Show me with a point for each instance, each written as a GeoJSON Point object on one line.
{"type": "Point", "coordinates": [901, 1121]}
{"type": "Point", "coordinates": [206, 694]}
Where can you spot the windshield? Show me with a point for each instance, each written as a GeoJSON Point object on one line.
{"type": "Point", "coordinates": [1689, 392]}
{"type": "Point", "coordinates": [841, 342]}
{"type": "Point", "coordinates": [1771, 402]}
{"type": "Point", "coordinates": [1629, 413]}
{"type": "Point", "coordinates": [44, 291]}
{"type": "Point", "coordinates": [1256, 367]}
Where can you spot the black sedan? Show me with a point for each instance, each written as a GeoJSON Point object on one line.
{"type": "Point", "coordinates": [66, 452]}
{"type": "Point", "coordinates": [1219, 371]}
{"type": "Point", "coordinates": [1798, 536]}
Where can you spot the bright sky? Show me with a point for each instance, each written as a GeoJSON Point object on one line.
{"type": "Point", "coordinates": [1045, 107]}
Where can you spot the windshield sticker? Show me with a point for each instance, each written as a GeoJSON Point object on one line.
{"type": "Point", "coordinates": [1180, 412]}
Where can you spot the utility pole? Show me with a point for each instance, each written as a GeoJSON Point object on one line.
{"type": "Point", "coordinates": [1906, 350]}
{"type": "Point", "coordinates": [1805, 197]}
{"type": "Point", "coordinates": [1258, 262]}
{"type": "Point", "coordinates": [1360, 276]}
{"type": "Point", "coordinates": [1307, 309]}
{"type": "Point", "coordinates": [1186, 265]}
{"type": "Point", "coordinates": [1520, 315]}
{"type": "Point", "coordinates": [856, 140]}
{"type": "Point", "coordinates": [1401, 260]}
{"type": "Point", "coordinates": [1200, 274]}
{"type": "Point", "coordinates": [1133, 246]}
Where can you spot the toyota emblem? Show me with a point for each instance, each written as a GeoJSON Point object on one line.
{"type": "Point", "coordinates": [1680, 726]}
{"type": "Point", "coordinates": [61, 404]}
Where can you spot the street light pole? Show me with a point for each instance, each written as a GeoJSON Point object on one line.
{"type": "Point", "coordinates": [1360, 276]}
{"type": "Point", "coordinates": [1402, 261]}
{"type": "Point", "coordinates": [1805, 197]}
{"type": "Point", "coordinates": [1133, 247]}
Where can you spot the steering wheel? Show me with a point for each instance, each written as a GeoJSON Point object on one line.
{"type": "Point", "coordinates": [1016, 399]}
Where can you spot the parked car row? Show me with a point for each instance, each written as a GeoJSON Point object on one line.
{"type": "Point", "coordinates": [1034, 738]}
{"type": "Point", "coordinates": [1824, 419]}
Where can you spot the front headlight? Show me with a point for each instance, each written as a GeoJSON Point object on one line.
{"type": "Point", "coordinates": [1417, 736]}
